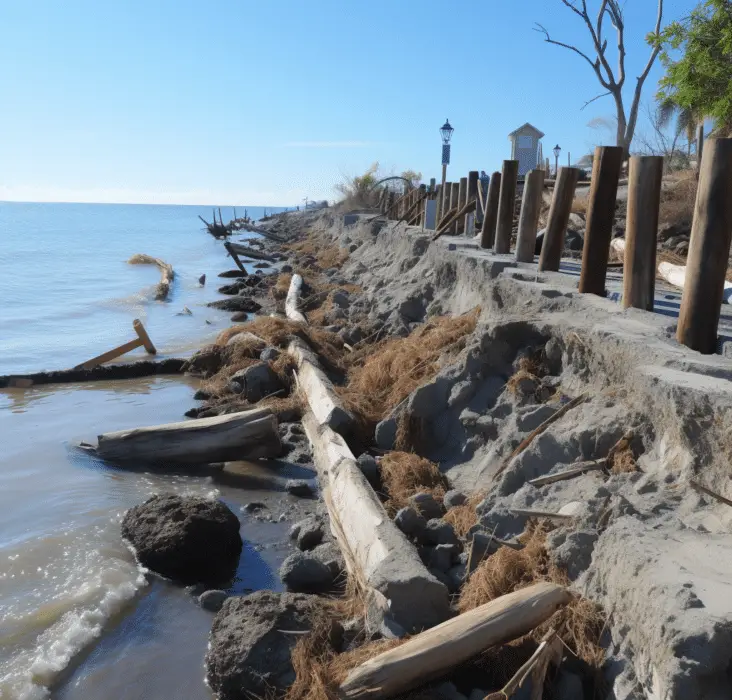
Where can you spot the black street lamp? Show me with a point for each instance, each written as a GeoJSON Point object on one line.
{"type": "Point", "coordinates": [557, 151]}
{"type": "Point", "coordinates": [446, 134]}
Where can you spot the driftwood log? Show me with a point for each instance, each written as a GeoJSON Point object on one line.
{"type": "Point", "coordinates": [292, 302]}
{"type": "Point", "coordinates": [378, 555]}
{"type": "Point", "coordinates": [244, 435]}
{"type": "Point", "coordinates": [433, 653]}
{"type": "Point", "coordinates": [248, 252]}
{"type": "Point", "coordinates": [166, 273]}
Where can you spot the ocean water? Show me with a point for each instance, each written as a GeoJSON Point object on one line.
{"type": "Point", "coordinates": [78, 617]}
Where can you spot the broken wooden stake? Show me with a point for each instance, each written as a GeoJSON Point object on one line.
{"type": "Point", "coordinates": [549, 515]}
{"type": "Point", "coordinates": [142, 340]}
{"type": "Point", "coordinates": [577, 470]}
{"type": "Point", "coordinates": [433, 653]}
{"type": "Point", "coordinates": [703, 489]}
{"type": "Point", "coordinates": [234, 256]}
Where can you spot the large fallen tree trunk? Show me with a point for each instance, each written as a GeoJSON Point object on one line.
{"type": "Point", "coordinates": [431, 654]}
{"type": "Point", "coordinates": [130, 370]}
{"type": "Point", "coordinates": [325, 404]}
{"type": "Point", "coordinates": [292, 302]}
{"type": "Point", "coordinates": [244, 435]}
{"type": "Point", "coordinates": [378, 555]}
{"type": "Point", "coordinates": [166, 273]}
{"type": "Point", "coordinates": [245, 250]}
{"type": "Point", "coordinates": [263, 232]}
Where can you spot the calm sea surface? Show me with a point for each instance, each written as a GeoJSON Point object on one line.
{"type": "Point", "coordinates": [77, 617]}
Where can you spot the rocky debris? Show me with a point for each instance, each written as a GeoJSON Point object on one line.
{"type": "Point", "coordinates": [207, 361]}
{"type": "Point", "coordinates": [212, 600]}
{"type": "Point", "coordinates": [249, 655]}
{"type": "Point", "coordinates": [299, 488]}
{"type": "Point", "coordinates": [572, 551]}
{"type": "Point", "coordinates": [454, 498]}
{"type": "Point", "coordinates": [410, 522]}
{"type": "Point", "coordinates": [426, 504]}
{"type": "Point", "coordinates": [303, 572]}
{"type": "Point", "coordinates": [255, 382]}
{"type": "Point", "coordinates": [442, 557]}
{"type": "Point", "coordinates": [233, 273]}
{"type": "Point", "coordinates": [202, 280]}
{"type": "Point", "coordinates": [269, 354]}
{"type": "Point", "coordinates": [440, 532]}
{"type": "Point", "coordinates": [233, 288]}
{"type": "Point", "coordinates": [188, 539]}
{"type": "Point", "coordinates": [236, 303]}
{"type": "Point", "coordinates": [330, 554]}
{"type": "Point", "coordinates": [262, 265]}
{"type": "Point", "coordinates": [341, 299]}
{"type": "Point", "coordinates": [308, 533]}
{"type": "Point", "coordinates": [240, 317]}
{"type": "Point", "coordinates": [253, 506]}
{"type": "Point", "coordinates": [370, 469]}
{"type": "Point", "coordinates": [385, 435]}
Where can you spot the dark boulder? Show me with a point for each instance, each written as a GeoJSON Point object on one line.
{"type": "Point", "coordinates": [188, 539]}
{"type": "Point", "coordinates": [205, 362]}
{"type": "Point", "coordinates": [255, 382]}
{"type": "Point", "coordinates": [249, 655]}
{"type": "Point", "coordinates": [303, 572]}
{"type": "Point", "coordinates": [236, 303]}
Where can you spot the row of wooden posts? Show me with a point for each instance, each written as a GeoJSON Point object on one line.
{"type": "Point", "coordinates": [460, 206]}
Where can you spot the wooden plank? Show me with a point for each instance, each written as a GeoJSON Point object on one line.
{"type": "Point", "coordinates": [549, 515]}
{"type": "Point", "coordinates": [144, 337]}
{"type": "Point", "coordinates": [248, 252]}
{"type": "Point", "coordinates": [703, 489]}
{"type": "Point", "coordinates": [243, 435]}
{"type": "Point", "coordinates": [433, 653]}
{"type": "Point", "coordinates": [577, 470]}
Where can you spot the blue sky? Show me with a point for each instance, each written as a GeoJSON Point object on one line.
{"type": "Point", "coordinates": [264, 103]}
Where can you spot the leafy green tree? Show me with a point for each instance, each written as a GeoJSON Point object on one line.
{"type": "Point", "coordinates": [699, 82]}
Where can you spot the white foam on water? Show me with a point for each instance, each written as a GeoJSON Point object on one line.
{"type": "Point", "coordinates": [56, 609]}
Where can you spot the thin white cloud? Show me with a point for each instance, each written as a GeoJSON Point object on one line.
{"type": "Point", "coordinates": [328, 144]}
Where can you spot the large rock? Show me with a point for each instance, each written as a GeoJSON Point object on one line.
{"type": "Point", "coordinates": [249, 656]}
{"type": "Point", "coordinates": [188, 539]}
{"type": "Point", "coordinates": [255, 382]}
{"type": "Point", "coordinates": [206, 361]}
{"type": "Point", "coordinates": [303, 572]}
{"type": "Point", "coordinates": [236, 304]}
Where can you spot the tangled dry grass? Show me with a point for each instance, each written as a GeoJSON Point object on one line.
{"type": "Point", "coordinates": [579, 624]}
{"type": "Point", "coordinates": [678, 199]}
{"type": "Point", "coordinates": [403, 474]}
{"type": "Point", "coordinates": [379, 381]}
{"type": "Point", "coordinates": [463, 517]}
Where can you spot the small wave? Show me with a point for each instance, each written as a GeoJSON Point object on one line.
{"type": "Point", "coordinates": [77, 617]}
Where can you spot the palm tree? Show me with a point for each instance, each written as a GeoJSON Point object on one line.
{"type": "Point", "coordinates": [687, 119]}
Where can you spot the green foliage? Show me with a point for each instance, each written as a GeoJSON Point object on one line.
{"type": "Point", "coordinates": [414, 177]}
{"type": "Point", "coordinates": [699, 83]}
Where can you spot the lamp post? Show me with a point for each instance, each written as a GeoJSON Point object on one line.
{"type": "Point", "coordinates": [557, 151]}
{"type": "Point", "coordinates": [446, 134]}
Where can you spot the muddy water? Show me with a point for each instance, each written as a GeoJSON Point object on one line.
{"type": "Point", "coordinates": [78, 617]}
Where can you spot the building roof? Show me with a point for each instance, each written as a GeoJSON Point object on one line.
{"type": "Point", "coordinates": [526, 127]}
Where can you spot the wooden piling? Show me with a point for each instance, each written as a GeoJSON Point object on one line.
{"type": "Point", "coordinates": [699, 146]}
{"type": "Point", "coordinates": [462, 201]}
{"type": "Point", "coordinates": [706, 265]}
{"type": "Point", "coordinates": [454, 203]}
{"type": "Point", "coordinates": [606, 167]}
{"type": "Point", "coordinates": [529, 219]}
{"type": "Point", "coordinates": [644, 199]}
{"type": "Point", "coordinates": [506, 205]}
{"type": "Point", "coordinates": [488, 232]}
{"type": "Point", "coordinates": [556, 228]}
{"type": "Point", "coordinates": [472, 195]}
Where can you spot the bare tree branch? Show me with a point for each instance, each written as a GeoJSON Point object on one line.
{"type": "Point", "coordinates": [540, 28]}
{"type": "Point", "coordinates": [589, 102]}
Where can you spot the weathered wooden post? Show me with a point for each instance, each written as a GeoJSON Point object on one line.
{"type": "Point", "coordinates": [433, 183]}
{"type": "Point", "coordinates": [556, 227]}
{"type": "Point", "coordinates": [446, 199]}
{"type": "Point", "coordinates": [706, 265]}
{"type": "Point", "coordinates": [462, 201]}
{"type": "Point", "coordinates": [699, 146]}
{"type": "Point", "coordinates": [471, 196]}
{"type": "Point", "coordinates": [506, 205]}
{"type": "Point", "coordinates": [454, 199]}
{"type": "Point", "coordinates": [488, 232]}
{"type": "Point", "coordinates": [529, 219]}
{"type": "Point", "coordinates": [422, 205]}
{"type": "Point", "coordinates": [644, 200]}
{"type": "Point", "coordinates": [606, 167]}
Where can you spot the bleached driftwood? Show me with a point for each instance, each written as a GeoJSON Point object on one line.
{"type": "Point", "coordinates": [549, 515]}
{"type": "Point", "coordinates": [243, 435]}
{"type": "Point", "coordinates": [576, 470]}
{"type": "Point", "coordinates": [675, 275]}
{"type": "Point", "coordinates": [378, 555]}
{"type": "Point", "coordinates": [166, 273]}
{"type": "Point", "coordinates": [325, 404]}
{"type": "Point", "coordinates": [434, 652]}
{"type": "Point", "coordinates": [292, 302]}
